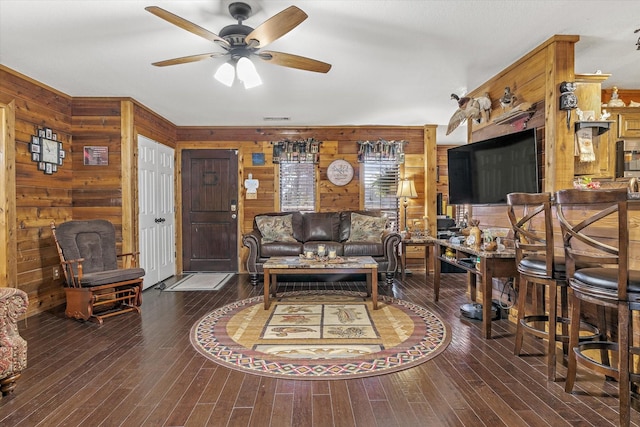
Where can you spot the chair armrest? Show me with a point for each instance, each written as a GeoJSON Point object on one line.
{"type": "Point", "coordinates": [72, 270]}
{"type": "Point", "coordinates": [129, 259]}
{"type": "Point", "coordinates": [390, 242]}
{"type": "Point", "coordinates": [252, 241]}
{"type": "Point", "coordinates": [13, 304]}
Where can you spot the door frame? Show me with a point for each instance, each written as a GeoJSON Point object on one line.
{"type": "Point", "coordinates": [180, 147]}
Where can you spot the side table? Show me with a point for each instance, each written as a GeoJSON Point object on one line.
{"type": "Point", "coordinates": [427, 244]}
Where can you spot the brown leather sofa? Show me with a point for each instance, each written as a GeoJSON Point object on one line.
{"type": "Point", "coordinates": [331, 229]}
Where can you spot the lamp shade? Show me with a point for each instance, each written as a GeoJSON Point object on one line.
{"type": "Point", "coordinates": [247, 73]}
{"type": "Point", "coordinates": [225, 74]}
{"type": "Point", "coordinates": [407, 189]}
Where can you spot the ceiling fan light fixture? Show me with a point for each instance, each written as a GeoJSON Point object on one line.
{"type": "Point", "coordinates": [247, 73]}
{"type": "Point", "coordinates": [225, 74]}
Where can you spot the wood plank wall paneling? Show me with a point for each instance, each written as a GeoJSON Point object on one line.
{"type": "Point", "coordinates": [40, 198]}
{"type": "Point", "coordinates": [338, 143]}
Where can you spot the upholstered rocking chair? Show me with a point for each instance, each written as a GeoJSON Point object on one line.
{"type": "Point", "coordinates": [95, 287]}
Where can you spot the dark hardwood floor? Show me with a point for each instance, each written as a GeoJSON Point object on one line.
{"type": "Point", "coordinates": [140, 370]}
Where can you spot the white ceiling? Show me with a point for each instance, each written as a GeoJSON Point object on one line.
{"type": "Point", "coordinates": [394, 62]}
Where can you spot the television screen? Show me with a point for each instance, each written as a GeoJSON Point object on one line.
{"type": "Point", "coordinates": [485, 172]}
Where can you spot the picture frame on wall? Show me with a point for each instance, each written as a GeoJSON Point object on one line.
{"type": "Point", "coordinates": [35, 157]}
{"type": "Point", "coordinates": [96, 155]}
{"type": "Point", "coordinates": [41, 166]}
{"type": "Point", "coordinates": [48, 133]}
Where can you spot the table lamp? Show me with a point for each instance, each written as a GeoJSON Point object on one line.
{"type": "Point", "coordinates": [406, 190]}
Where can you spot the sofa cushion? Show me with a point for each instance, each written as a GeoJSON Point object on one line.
{"type": "Point", "coordinates": [268, 250]}
{"type": "Point", "coordinates": [372, 249]}
{"type": "Point", "coordinates": [345, 222]}
{"type": "Point", "coordinates": [275, 228]}
{"type": "Point", "coordinates": [365, 228]}
{"type": "Point", "coordinates": [320, 226]}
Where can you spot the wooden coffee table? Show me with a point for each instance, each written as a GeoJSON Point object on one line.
{"type": "Point", "coordinates": [298, 265]}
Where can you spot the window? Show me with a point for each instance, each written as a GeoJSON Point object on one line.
{"type": "Point", "coordinates": [297, 187]}
{"type": "Point", "coordinates": [380, 185]}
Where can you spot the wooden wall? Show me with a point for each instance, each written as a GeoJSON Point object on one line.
{"type": "Point", "coordinates": [338, 143]}
{"type": "Point", "coordinates": [39, 198]}
{"type": "Point", "coordinates": [534, 78]}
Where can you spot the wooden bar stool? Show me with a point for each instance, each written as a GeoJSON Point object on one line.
{"type": "Point", "coordinates": [541, 272]}
{"type": "Point", "coordinates": [588, 220]}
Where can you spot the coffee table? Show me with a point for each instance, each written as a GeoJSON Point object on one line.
{"type": "Point", "coordinates": [297, 265]}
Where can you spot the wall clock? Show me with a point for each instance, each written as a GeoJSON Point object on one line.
{"type": "Point", "coordinates": [340, 172]}
{"type": "Point", "coordinates": [47, 151]}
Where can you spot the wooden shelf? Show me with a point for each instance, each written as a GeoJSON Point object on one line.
{"type": "Point", "coordinates": [521, 113]}
{"type": "Point", "coordinates": [601, 126]}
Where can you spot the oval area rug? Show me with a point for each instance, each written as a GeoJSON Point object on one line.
{"type": "Point", "coordinates": [320, 335]}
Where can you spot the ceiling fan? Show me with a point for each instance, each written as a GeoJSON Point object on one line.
{"type": "Point", "coordinates": [241, 42]}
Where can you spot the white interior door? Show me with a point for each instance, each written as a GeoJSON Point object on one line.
{"type": "Point", "coordinates": [156, 210]}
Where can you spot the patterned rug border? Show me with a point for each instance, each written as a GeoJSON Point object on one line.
{"type": "Point", "coordinates": [251, 362]}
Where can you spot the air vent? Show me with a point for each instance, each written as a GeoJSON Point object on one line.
{"type": "Point", "coordinates": [276, 119]}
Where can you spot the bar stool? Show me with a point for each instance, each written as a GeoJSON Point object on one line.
{"type": "Point", "coordinates": [587, 220]}
{"type": "Point", "coordinates": [531, 218]}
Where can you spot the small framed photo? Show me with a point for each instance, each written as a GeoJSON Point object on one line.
{"type": "Point", "coordinates": [48, 168]}
{"type": "Point", "coordinates": [96, 155]}
{"type": "Point", "coordinates": [41, 166]}
{"type": "Point", "coordinates": [35, 139]}
{"type": "Point", "coordinates": [34, 148]}
{"type": "Point", "coordinates": [54, 168]}
{"type": "Point", "coordinates": [54, 136]}
{"type": "Point", "coordinates": [48, 133]}
{"type": "Point", "coordinates": [35, 157]}
{"type": "Point", "coordinates": [62, 153]}
{"type": "Point", "coordinates": [257, 159]}
{"type": "Point", "coordinates": [42, 133]}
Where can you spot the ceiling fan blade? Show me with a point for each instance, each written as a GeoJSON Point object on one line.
{"type": "Point", "coordinates": [187, 59]}
{"type": "Point", "coordinates": [275, 27]}
{"type": "Point", "coordinates": [187, 25]}
{"type": "Point", "coordinates": [294, 61]}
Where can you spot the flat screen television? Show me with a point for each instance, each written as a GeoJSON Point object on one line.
{"type": "Point", "coordinates": [484, 172]}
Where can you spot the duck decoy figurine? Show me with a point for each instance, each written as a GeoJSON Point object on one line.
{"type": "Point", "coordinates": [508, 99]}
{"type": "Point", "coordinates": [469, 108]}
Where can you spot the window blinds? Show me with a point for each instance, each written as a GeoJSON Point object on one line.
{"type": "Point", "coordinates": [297, 187]}
{"type": "Point", "coordinates": [380, 185]}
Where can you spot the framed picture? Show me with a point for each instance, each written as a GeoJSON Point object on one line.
{"type": "Point", "coordinates": [48, 168]}
{"type": "Point", "coordinates": [42, 133]}
{"type": "Point", "coordinates": [48, 133]}
{"type": "Point", "coordinates": [257, 159]}
{"type": "Point", "coordinates": [35, 157]}
{"type": "Point", "coordinates": [96, 155]}
{"type": "Point", "coordinates": [63, 154]}
{"type": "Point", "coordinates": [34, 148]}
{"type": "Point", "coordinates": [35, 139]}
{"type": "Point", "coordinates": [54, 136]}
{"type": "Point", "coordinates": [41, 166]}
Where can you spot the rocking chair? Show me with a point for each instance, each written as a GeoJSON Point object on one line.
{"type": "Point", "coordinates": [95, 287]}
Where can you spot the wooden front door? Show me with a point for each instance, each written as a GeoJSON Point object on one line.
{"type": "Point", "coordinates": [210, 210]}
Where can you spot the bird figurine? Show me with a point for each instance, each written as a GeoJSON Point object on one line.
{"type": "Point", "coordinates": [508, 99]}
{"type": "Point", "coordinates": [469, 108]}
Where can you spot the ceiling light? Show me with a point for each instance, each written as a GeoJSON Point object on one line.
{"type": "Point", "coordinates": [225, 74]}
{"type": "Point", "coordinates": [247, 73]}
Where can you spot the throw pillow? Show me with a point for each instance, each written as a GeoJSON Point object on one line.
{"type": "Point", "coordinates": [365, 228]}
{"type": "Point", "coordinates": [275, 228]}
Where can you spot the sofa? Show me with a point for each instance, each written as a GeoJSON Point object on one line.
{"type": "Point", "coordinates": [13, 348]}
{"type": "Point", "coordinates": [349, 233]}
